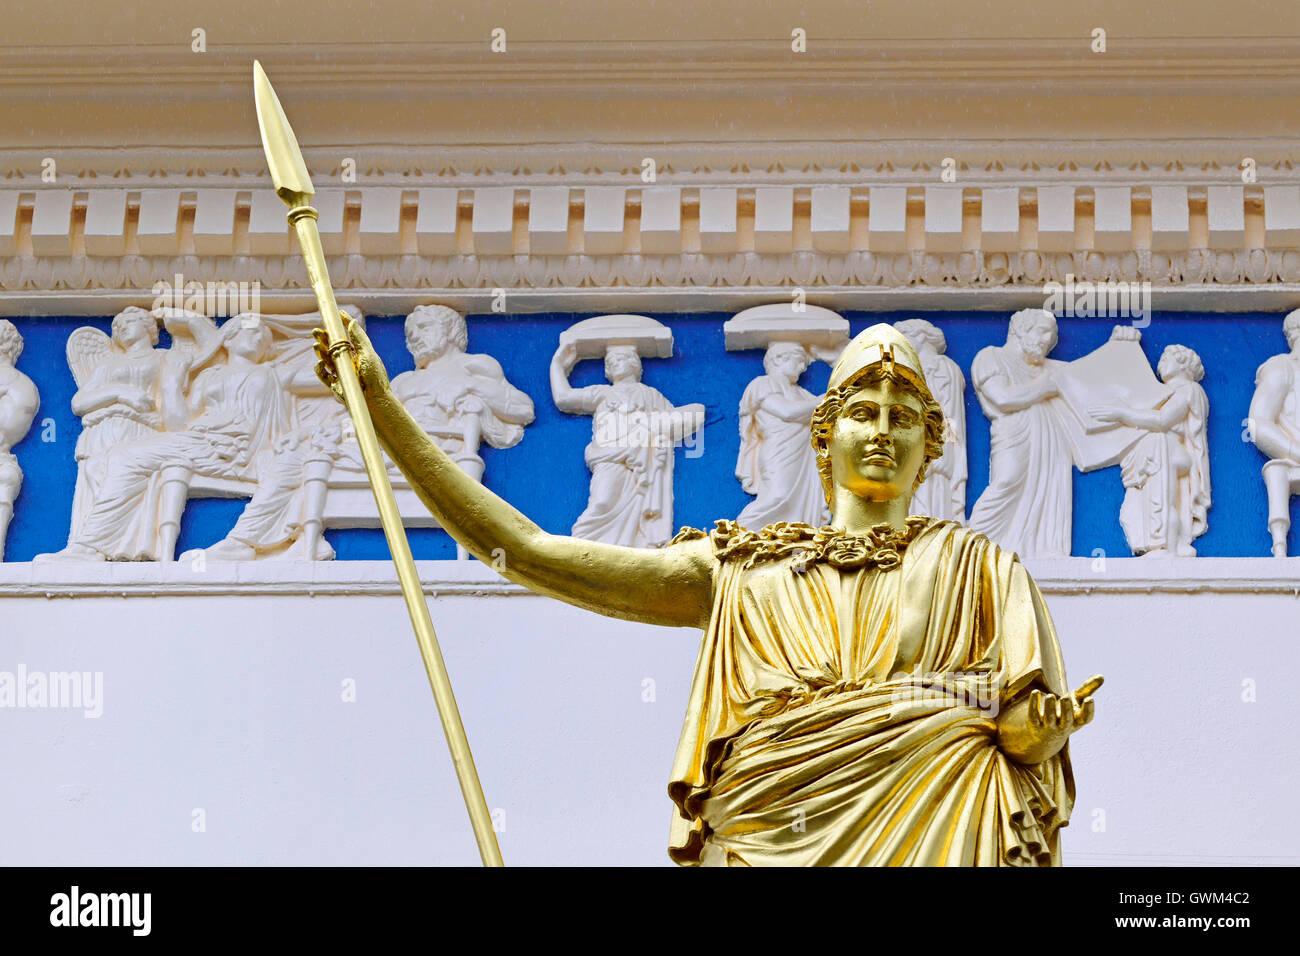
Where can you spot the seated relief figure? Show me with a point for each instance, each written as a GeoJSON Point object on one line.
{"type": "Point", "coordinates": [459, 398]}
{"type": "Point", "coordinates": [1275, 427]}
{"type": "Point", "coordinates": [285, 517]}
{"type": "Point", "coordinates": [18, 403]}
{"type": "Point", "coordinates": [128, 390]}
{"type": "Point", "coordinates": [883, 690]}
{"type": "Point", "coordinates": [223, 415]}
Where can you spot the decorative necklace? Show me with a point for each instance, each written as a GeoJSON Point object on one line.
{"type": "Point", "coordinates": [880, 546]}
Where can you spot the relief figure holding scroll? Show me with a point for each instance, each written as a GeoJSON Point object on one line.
{"type": "Point", "coordinates": [1166, 475]}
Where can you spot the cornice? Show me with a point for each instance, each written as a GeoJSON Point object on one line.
{"type": "Point", "coordinates": [703, 67]}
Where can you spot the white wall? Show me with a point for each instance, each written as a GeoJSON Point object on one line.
{"type": "Point", "coordinates": [226, 696]}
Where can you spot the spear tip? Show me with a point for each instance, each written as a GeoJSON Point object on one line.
{"type": "Point", "coordinates": [288, 171]}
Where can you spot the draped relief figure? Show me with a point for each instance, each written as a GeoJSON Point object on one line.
{"type": "Point", "coordinates": [18, 403]}
{"type": "Point", "coordinates": [1026, 506]}
{"type": "Point", "coordinates": [1274, 424]}
{"type": "Point", "coordinates": [1166, 475]}
{"type": "Point", "coordinates": [232, 411]}
{"type": "Point", "coordinates": [775, 463]}
{"type": "Point", "coordinates": [943, 493]}
{"type": "Point", "coordinates": [238, 411]}
{"type": "Point", "coordinates": [460, 398]}
{"type": "Point", "coordinates": [129, 390]}
{"type": "Point", "coordinates": [1040, 428]}
{"type": "Point", "coordinates": [634, 429]}
{"type": "Point", "coordinates": [292, 462]}
{"type": "Point", "coordinates": [884, 690]}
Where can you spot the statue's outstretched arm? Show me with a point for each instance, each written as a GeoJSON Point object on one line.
{"type": "Point", "coordinates": [671, 586]}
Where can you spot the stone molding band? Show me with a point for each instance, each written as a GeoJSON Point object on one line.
{"type": "Point", "coordinates": [459, 578]}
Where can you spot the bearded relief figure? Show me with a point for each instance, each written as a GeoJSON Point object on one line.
{"type": "Point", "coordinates": [460, 399]}
{"type": "Point", "coordinates": [943, 493]}
{"type": "Point", "coordinates": [18, 403]}
{"type": "Point", "coordinates": [634, 429]}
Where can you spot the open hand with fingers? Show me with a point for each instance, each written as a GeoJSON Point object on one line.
{"type": "Point", "coordinates": [1037, 725]}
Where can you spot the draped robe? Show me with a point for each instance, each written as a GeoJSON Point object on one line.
{"type": "Point", "coordinates": [843, 716]}
{"type": "Point", "coordinates": [776, 461]}
{"type": "Point", "coordinates": [1027, 504]}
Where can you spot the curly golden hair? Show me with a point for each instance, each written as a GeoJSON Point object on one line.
{"type": "Point", "coordinates": [824, 416]}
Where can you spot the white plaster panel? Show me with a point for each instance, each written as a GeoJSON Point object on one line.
{"type": "Point", "coordinates": [233, 704]}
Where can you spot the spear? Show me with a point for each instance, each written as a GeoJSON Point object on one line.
{"type": "Point", "coordinates": [293, 185]}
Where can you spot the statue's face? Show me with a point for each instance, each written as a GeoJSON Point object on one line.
{"type": "Point", "coordinates": [621, 362]}
{"type": "Point", "coordinates": [132, 328]}
{"type": "Point", "coordinates": [429, 338]}
{"type": "Point", "coordinates": [877, 446]}
{"type": "Point", "coordinates": [251, 341]}
{"type": "Point", "coordinates": [790, 361]}
{"type": "Point", "coordinates": [1038, 339]}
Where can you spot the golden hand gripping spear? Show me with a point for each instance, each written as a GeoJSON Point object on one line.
{"type": "Point", "coordinates": [293, 185]}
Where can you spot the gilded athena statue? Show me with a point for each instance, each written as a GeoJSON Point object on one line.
{"type": "Point", "coordinates": [884, 690]}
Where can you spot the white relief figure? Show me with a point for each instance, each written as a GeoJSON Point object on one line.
{"type": "Point", "coordinates": [1041, 429]}
{"type": "Point", "coordinates": [1275, 424]}
{"type": "Point", "coordinates": [634, 430]}
{"type": "Point", "coordinates": [122, 381]}
{"type": "Point", "coordinates": [285, 516]}
{"type": "Point", "coordinates": [1026, 506]}
{"type": "Point", "coordinates": [235, 410]}
{"type": "Point", "coordinates": [943, 492]}
{"type": "Point", "coordinates": [459, 398]}
{"type": "Point", "coordinates": [1166, 475]}
{"type": "Point", "coordinates": [776, 462]}
{"type": "Point", "coordinates": [18, 403]}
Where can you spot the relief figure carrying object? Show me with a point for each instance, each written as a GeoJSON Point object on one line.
{"type": "Point", "coordinates": [775, 462]}
{"type": "Point", "coordinates": [893, 683]}
{"type": "Point", "coordinates": [634, 429]}
{"type": "Point", "coordinates": [1040, 427]}
{"type": "Point", "coordinates": [1166, 475]}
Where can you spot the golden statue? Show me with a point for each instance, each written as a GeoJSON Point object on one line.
{"type": "Point", "coordinates": [886, 690]}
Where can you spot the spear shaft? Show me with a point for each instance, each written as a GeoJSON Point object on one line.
{"type": "Point", "coordinates": [289, 173]}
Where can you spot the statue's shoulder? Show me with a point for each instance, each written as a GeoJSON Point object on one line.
{"type": "Point", "coordinates": [987, 362]}
{"type": "Point", "coordinates": [959, 537]}
{"type": "Point", "coordinates": [1279, 367]}
{"type": "Point", "coordinates": [480, 363]}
